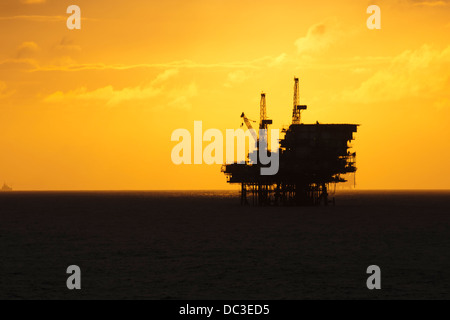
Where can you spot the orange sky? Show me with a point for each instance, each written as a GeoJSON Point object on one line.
{"type": "Point", "coordinates": [94, 109]}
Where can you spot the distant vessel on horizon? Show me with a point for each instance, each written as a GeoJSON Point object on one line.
{"type": "Point", "coordinates": [6, 187]}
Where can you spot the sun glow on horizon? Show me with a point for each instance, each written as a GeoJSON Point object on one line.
{"type": "Point", "coordinates": [94, 109]}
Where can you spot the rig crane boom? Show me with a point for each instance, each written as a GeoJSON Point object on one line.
{"type": "Point", "coordinates": [248, 123]}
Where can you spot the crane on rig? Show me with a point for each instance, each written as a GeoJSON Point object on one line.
{"type": "Point", "coordinates": [263, 122]}
{"type": "Point", "coordinates": [248, 123]}
{"type": "Point", "coordinates": [296, 113]}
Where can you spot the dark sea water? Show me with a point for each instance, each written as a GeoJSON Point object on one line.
{"type": "Point", "coordinates": [204, 245]}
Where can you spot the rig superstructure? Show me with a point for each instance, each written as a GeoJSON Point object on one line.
{"type": "Point", "coordinates": [311, 157]}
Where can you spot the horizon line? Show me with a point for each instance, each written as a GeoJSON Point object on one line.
{"type": "Point", "coordinates": [179, 190]}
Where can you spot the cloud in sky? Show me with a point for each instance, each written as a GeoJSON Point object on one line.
{"type": "Point", "coordinates": [35, 18]}
{"type": "Point", "coordinates": [235, 78]}
{"type": "Point", "coordinates": [278, 60]}
{"type": "Point", "coordinates": [166, 75]}
{"type": "Point", "coordinates": [180, 99]}
{"type": "Point", "coordinates": [109, 94]}
{"type": "Point", "coordinates": [185, 64]}
{"type": "Point", "coordinates": [24, 58]}
{"type": "Point", "coordinates": [413, 73]}
{"type": "Point", "coordinates": [21, 64]}
{"type": "Point", "coordinates": [27, 49]}
{"type": "Point", "coordinates": [431, 3]}
{"type": "Point", "coordinates": [2, 88]}
{"type": "Point", "coordinates": [33, 1]}
{"type": "Point", "coordinates": [113, 97]}
{"type": "Point", "coordinates": [319, 37]}
{"type": "Point", "coordinates": [4, 93]}
{"type": "Point", "coordinates": [67, 45]}
{"type": "Point", "coordinates": [417, 3]}
{"type": "Point", "coordinates": [239, 76]}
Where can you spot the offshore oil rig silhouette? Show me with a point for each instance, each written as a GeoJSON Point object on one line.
{"type": "Point", "coordinates": [311, 157]}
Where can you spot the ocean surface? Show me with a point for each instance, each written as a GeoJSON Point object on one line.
{"type": "Point", "coordinates": [204, 245]}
